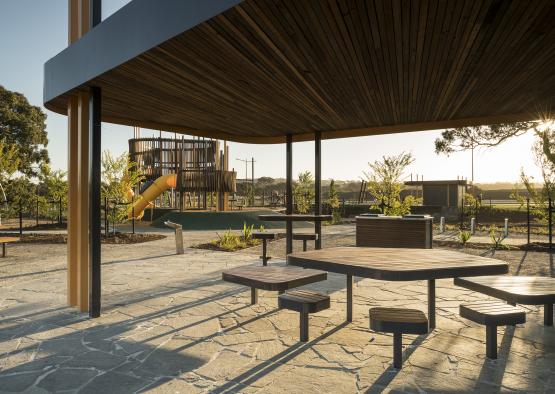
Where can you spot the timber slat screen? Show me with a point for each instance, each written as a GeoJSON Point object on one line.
{"type": "Point", "coordinates": [393, 232]}
{"type": "Point", "coordinates": [263, 69]}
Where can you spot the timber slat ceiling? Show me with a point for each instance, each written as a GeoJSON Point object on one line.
{"type": "Point", "coordinates": [343, 67]}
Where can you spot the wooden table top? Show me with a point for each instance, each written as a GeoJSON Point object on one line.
{"type": "Point", "coordinates": [9, 239]}
{"type": "Point", "coordinates": [278, 217]}
{"type": "Point", "coordinates": [528, 290]}
{"type": "Point", "coordinates": [398, 264]}
{"type": "Point", "coordinates": [273, 278]}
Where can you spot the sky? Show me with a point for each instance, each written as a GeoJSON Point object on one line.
{"type": "Point", "coordinates": [32, 31]}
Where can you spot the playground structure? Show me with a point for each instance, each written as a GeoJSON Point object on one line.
{"type": "Point", "coordinates": [195, 171]}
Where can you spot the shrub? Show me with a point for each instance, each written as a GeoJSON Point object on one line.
{"type": "Point", "coordinates": [464, 236]}
{"type": "Point", "coordinates": [497, 238]}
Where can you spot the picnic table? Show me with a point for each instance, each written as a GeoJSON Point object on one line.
{"type": "Point", "coordinates": [7, 240]}
{"type": "Point", "coordinates": [526, 290]}
{"type": "Point", "coordinates": [397, 264]}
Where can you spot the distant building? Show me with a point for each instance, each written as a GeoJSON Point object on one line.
{"type": "Point", "coordinates": [440, 197]}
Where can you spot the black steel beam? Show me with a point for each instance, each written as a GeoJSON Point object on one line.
{"type": "Point", "coordinates": [132, 30]}
{"type": "Point", "coordinates": [95, 106]}
{"type": "Point", "coordinates": [289, 193]}
{"type": "Point", "coordinates": [318, 186]}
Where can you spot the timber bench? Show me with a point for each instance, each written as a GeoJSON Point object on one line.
{"type": "Point", "coordinates": [492, 314]}
{"type": "Point", "coordinates": [265, 236]}
{"type": "Point", "coordinates": [304, 302]}
{"type": "Point", "coordinates": [305, 238]}
{"type": "Point", "coordinates": [7, 240]}
{"type": "Point", "coordinates": [525, 290]}
{"type": "Point", "coordinates": [272, 278]}
{"type": "Point", "coordinates": [398, 321]}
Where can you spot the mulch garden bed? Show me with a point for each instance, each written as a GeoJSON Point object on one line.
{"type": "Point", "coordinates": [118, 238]}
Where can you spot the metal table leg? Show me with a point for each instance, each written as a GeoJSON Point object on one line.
{"type": "Point", "coordinates": [548, 314]}
{"type": "Point", "coordinates": [432, 304]}
{"type": "Point", "coordinates": [349, 298]}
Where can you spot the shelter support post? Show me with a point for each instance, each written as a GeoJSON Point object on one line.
{"type": "Point", "coordinates": [318, 187]}
{"type": "Point", "coordinates": [289, 193]}
{"type": "Point", "coordinates": [79, 20]}
{"type": "Point", "coordinates": [94, 201]}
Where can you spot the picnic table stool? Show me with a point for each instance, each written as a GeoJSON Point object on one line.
{"type": "Point", "coordinates": [305, 238]}
{"type": "Point", "coordinates": [304, 302]}
{"type": "Point", "coordinates": [265, 236]}
{"type": "Point", "coordinates": [398, 321]}
{"type": "Point", "coordinates": [7, 240]}
{"type": "Point", "coordinates": [492, 314]}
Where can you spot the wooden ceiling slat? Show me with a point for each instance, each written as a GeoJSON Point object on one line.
{"type": "Point", "coordinates": [263, 69]}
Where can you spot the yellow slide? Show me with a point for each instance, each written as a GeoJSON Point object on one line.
{"type": "Point", "coordinates": [159, 186]}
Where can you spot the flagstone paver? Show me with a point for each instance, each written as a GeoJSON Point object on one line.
{"type": "Point", "coordinates": [169, 324]}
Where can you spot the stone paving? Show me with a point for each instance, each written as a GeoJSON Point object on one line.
{"type": "Point", "coordinates": [169, 324]}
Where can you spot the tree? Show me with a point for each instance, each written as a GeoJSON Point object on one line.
{"type": "Point", "coordinates": [539, 197]}
{"type": "Point", "coordinates": [303, 192]}
{"type": "Point", "coordinates": [24, 126]}
{"type": "Point", "coordinates": [333, 202]}
{"type": "Point", "coordinates": [119, 176]}
{"type": "Point", "coordinates": [465, 138]}
{"type": "Point", "coordinates": [53, 188]}
{"type": "Point", "coordinates": [544, 152]}
{"type": "Point", "coordinates": [9, 160]}
{"type": "Point", "coordinates": [385, 184]}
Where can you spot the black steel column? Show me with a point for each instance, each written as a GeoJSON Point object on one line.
{"type": "Point", "coordinates": [289, 193]}
{"type": "Point", "coordinates": [94, 201]}
{"type": "Point", "coordinates": [95, 109]}
{"type": "Point", "coordinates": [318, 187]}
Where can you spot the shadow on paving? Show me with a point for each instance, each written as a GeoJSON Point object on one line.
{"type": "Point", "coordinates": [261, 370]}
{"type": "Point", "coordinates": [98, 359]}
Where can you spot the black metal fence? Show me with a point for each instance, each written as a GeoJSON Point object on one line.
{"type": "Point", "coordinates": [115, 213]}
{"type": "Point", "coordinates": [31, 214]}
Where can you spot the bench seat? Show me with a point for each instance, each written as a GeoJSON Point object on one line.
{"type": "Point", "coordinates": [305, 237]}
{"type": "Point", "coordinates": [398, 321]}
{"type": "Point", "coordinates": [492, 314]}
{"type": "Point", "coordinates": [304, 302]}
{"type": "Point", "coordinates": [7, 240]}
{"type": "Point", "coordinates": [265, 236]}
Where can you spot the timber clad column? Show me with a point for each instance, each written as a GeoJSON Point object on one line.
{"type": "Point", "coordinates": [318, 186]}
{"type": "Point", "coordinates": [289, 193]}
{"type": "Point", "coordinates": [77, 228]}
{"type": "Point", "coordinates": [72, 173]}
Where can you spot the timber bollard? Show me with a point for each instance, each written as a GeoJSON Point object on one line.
{"type": "Point", "coordinates": [472, 226]}
{"type": "Point", "coordinates": [178, 236]}
{"type": "Point", "coordinates": [506, 229]}
{"type": "Point", "coordinates": [441, 225]}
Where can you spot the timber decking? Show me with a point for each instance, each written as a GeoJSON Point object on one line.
{"type": "Point", "coordinates": [394, 232]}
{"type": "Point", "coordinates": [526, 290]}
{"type": "Point", "coordinates": [273, 278]}
{"type": "Point", "coordinates": [7, 240]}
{"type": "Point", "coordinates": [397, 264]}
{"type": "Point", "coordinates": [398, 321]}
{"type": "Point", "coordinates": [304, 302]}
{"type": "Point", "coordinates": [492, 314]}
